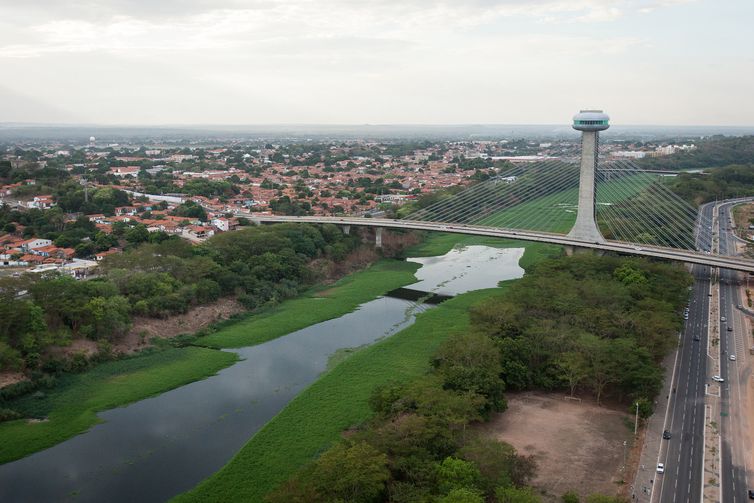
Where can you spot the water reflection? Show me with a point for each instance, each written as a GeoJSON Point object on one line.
{"type": "Point", "coordinates": [154, 449]}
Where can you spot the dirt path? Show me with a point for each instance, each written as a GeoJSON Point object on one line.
{"type": "Point", "coordinates": [578, 446]}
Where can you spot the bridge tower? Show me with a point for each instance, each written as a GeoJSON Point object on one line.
{"type": "Point", "coordinates": [590, 123]}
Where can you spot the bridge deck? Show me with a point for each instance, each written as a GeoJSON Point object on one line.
{"type": "Point", "coordinates": [691, 257]}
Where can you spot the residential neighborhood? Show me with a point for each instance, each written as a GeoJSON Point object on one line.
{"type": "Point", "coordinates": [199, 189]}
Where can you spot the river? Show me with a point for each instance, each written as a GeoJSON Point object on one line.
{"type": "Point", "coordinates": [159, 447]}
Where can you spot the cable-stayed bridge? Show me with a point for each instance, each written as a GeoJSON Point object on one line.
{"type": "Point", "coordinates": [635, 212]}
{"type": "Point", "coordinates": [610, 206]}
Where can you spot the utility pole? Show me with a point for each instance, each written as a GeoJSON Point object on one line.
{"type": "Point", "coordinates": [636, 421]}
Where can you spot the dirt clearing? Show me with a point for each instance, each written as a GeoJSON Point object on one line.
{"type": "Point", "coordinates": [578, 446]}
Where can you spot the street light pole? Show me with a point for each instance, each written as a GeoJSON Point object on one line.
{"type": "Point", "coordinates": [636, 421]}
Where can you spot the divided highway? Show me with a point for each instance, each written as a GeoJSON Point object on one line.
{"type": "Point", "coordinates": [682, 454]}
{"type": "Point", "coordinates": [737, 373]}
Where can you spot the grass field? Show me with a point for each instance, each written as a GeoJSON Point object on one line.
{"type": "Point", "coordinates": [317, 416]}
{"type": "Point", "coordinates": [315, 306]}
{"type": "Point", "coordinates": [72, 405]}
{"type": "Point", "coordinates": [557, 212]}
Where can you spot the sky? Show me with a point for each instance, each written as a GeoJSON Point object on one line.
{"type": "Point", "coordinates": [203, 62]}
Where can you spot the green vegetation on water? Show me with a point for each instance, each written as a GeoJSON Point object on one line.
{"type": "Point", "coordinates": [316, 417]}
{"type": "Point", "coordinates": [315, 306]}
{"type": "Point", "coordinates": [71, 407]}
{"type": "Point", "coordinates": [338, 400]}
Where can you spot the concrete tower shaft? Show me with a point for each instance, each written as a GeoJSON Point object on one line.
{"type": "Point", "coordinates": [589, 122]}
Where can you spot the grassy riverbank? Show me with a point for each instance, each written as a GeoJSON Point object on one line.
{"type": "Point", "coordinates": [317, 305]}
{"type": "Point", "coordinates": [316, 417]}
{"type": "Point", "coordinates": [71, 407]}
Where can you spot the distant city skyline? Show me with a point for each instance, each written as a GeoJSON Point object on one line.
{"type": "Point", "coordinates": [136, 62]}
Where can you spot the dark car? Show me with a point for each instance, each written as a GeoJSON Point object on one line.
{"type": "Point", "coordinates": [751, 494]}
{"type": "Point", "coordinates": [730, 329]}
{"type": "Point", "coordinates": [666, 435]}
{"type": "Point", "coordinates": [696, 338]}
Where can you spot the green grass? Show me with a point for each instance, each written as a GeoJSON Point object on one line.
{"type": "Point", "coordinates": [316, 417]}
{"type": "Point", "coordinates": [315, 306]}
{"type": "Point", "coordinates": [72, 405]}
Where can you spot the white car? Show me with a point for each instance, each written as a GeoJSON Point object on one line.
{"type": "Point", "coordinates": [718, 378]}
{"type": "Point", "coordinates": [732, 358]}
{"type": "Point", "coordinates": [660, 468]}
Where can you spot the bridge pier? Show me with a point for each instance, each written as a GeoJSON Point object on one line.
{"type": "Point", "coordinates": [347, 230]}
{"type": "Point", "coordinates": [378, 237]}
{"type": "Point", "coordinates": [571, 250]}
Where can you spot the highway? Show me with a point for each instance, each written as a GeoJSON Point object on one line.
{"type": "Point", "coordinates": [734, 421]}
{"type": "Point", "coordinates": [682, 454]}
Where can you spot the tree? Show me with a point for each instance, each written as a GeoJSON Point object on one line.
{"type": "Point", "coordinates": [602, 368]}
{"type": "Point", "coordinates": [471, 362]}
{"type": "Point", "coordinates": [574, 368]}
{"type": "Point", "coordinates": [137, 234]}
{"type": "Point", "coordinates": [85, 249]}
{"type": "Point", "coordinates": [517, 495]}
{"type": "Point", "coordinates": [191, 209]}
{"type": "Point", "coordinates": [454, 473]}
{"type": "Point", "coordinates": [498, 463]}
{"type": "Point", "coordinates": [462, 495]}
{"type": "Point", "coordinates": [351, 472]}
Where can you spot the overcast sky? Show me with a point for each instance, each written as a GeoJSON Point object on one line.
{"type": "Point", "coordinates": [673, 62]}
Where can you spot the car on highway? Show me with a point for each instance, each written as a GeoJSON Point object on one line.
{"type": "Point", "coordinates": [723, 319]}
{"type": "Point", "coordinates": [666, 435]}
{"type": "Point", "coordinates": [717, 378]}
{"type": "Point", "coordinates": [660, 468]}
{"type": "Point", "coordinates": [732, 358]}
{"type": "Point", "coordinates": [751, 494]}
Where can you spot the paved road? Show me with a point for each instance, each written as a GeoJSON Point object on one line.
{"type": "Point", "coordinates": [683, 453]}
{"type": "Point", "coordinates": [733, 423]}
{"type": "Point", "coordinates": [678, 255]}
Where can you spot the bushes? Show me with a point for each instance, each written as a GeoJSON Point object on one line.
{"type": "Point", "coordinates": [420, 430]}
{"type": "Point", "coordinates": [159, 278]}
{"type": "Point", "coordinates": [596, 323]}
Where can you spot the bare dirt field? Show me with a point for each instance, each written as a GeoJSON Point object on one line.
{"type": "Point", "coordinates": [578, 446]}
